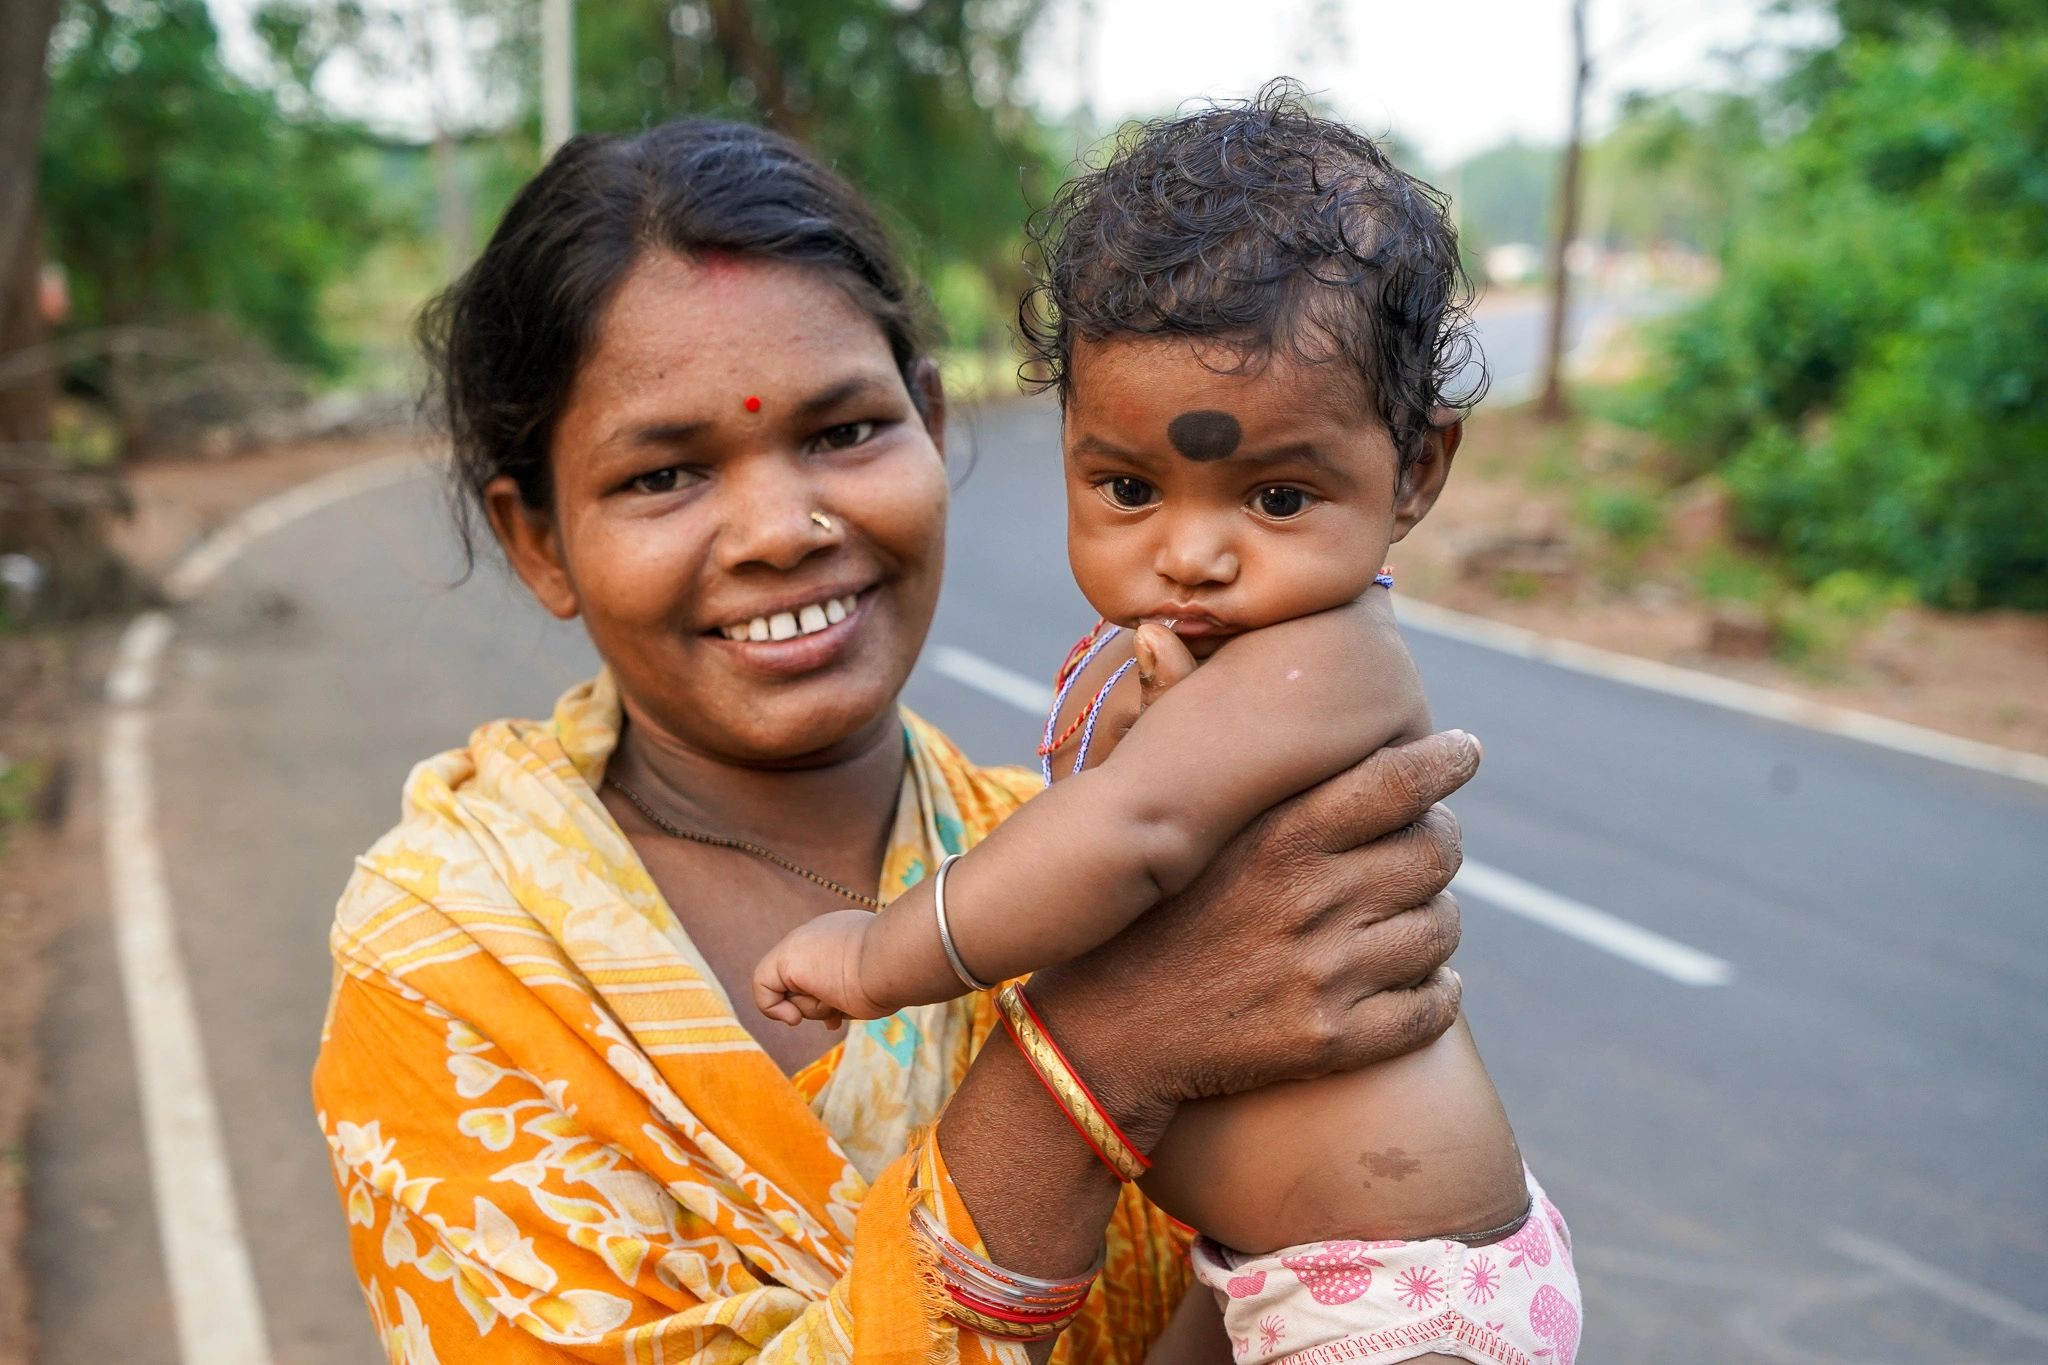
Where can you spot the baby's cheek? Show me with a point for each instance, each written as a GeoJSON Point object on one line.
{"type": "Point", "coordinates": [1108, 566]}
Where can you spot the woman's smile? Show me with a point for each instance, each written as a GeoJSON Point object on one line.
{"type": "Point", "coordinates": [801, 639]}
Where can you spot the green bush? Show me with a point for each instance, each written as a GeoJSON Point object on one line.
{"type": "Point", "coordinates": [1627, 516]}
{"type": "Point", "coordinates": [1872, 374]}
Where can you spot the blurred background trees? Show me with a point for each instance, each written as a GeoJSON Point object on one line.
{"type": "Point", "coordinates": [1870, 376]}
{"type": "Point", "coordinates": [1861, 231]}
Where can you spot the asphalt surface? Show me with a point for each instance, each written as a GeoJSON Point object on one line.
{"type": "Point", "coordinates": [1838, 1156]}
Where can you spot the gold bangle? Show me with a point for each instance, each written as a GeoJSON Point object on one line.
{"type": "Point", "coordinates": [1081, 1107]}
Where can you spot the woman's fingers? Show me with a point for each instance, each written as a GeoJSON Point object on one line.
{"type": "Point", "coordinates": [1392, 1023]}
{"type": "Point", "coordinates": [1391, 788]}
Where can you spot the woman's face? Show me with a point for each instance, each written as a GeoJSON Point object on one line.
{"type": "Point", "coordinates": [749, 513]}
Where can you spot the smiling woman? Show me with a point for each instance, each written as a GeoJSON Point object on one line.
{"type": "Point", "coordinates": [687, 393]}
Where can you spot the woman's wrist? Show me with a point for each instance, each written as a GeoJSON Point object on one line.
{"type": "Point", "coordinates": [1125, 1073]}
{"type": "Point", "coordinates": [1038, 1196]}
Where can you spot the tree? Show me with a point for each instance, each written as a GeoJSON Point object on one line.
{"type": "Point", "coordinates": [1871, 376]}
{"type": "Point", "coordinates": [916, 103]}
{"type": "Point", "coordinates": [24, 38]}
{"type": "Point", "coordinates": [1550, 404]}
{"type": "Point", "coordinates": [178, 193]}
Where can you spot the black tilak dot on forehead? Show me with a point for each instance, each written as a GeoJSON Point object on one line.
{"type": "Point", "coordinates": [1204, 435]}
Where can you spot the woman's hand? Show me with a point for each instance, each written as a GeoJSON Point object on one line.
{"type": "Point", "coordinates": [1314, 943]}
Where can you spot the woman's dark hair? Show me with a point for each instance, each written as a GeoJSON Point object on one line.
{"type": "Point", "coordinates": [1258, 224]}
{"type": "Point", "coordinates": [505, 341]}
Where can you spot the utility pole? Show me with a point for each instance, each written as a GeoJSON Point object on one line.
{"type": "Point", "coordinates": [557, 74]}
{"type": "Point", "coordinates": [1551, 405]}
{"type": "Point", "coordinates": [1084, 75]}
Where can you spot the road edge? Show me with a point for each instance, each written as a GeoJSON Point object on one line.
{"type": "Point", "coordinates": [215, 1302]}
{"type": "Point", "coordinates": [1729, 694]}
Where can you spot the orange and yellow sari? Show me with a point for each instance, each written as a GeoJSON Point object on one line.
{"type": "Point", "coordinates": [554, 1141]}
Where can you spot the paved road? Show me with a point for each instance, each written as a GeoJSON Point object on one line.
{"type": "Point", "coordinates": [1837, 1156]}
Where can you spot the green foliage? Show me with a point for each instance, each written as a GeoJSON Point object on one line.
{"type": "Point", "coordinates": [915, 104]}
{"type": "Point", "coordinates": [1675, 170]}
{"type": "Point", "coordinates": [1504, 194]}
{"type": "Point", "coordinates": [174, 190]}
{"type": "Point", "coordinates": [1873, 370]}
{"type": "Point", "coordinates": [19, 783]}
{"type": "Point", "coordinates": [1630, 517]}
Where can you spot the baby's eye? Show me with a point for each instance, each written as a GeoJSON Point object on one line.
{"type": "Point", "coordinates": [846, 435]}
{"type": "Point", "coordinates": [1281, 503]}
{"type": "Point", "coordinates": [1127, 491]}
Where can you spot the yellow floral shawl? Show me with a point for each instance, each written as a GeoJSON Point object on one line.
{"type": "Point", "coordinates": [554, 1141]}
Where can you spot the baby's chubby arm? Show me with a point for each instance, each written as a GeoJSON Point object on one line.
{"type": "Point", "coordinates": [1272, 713]}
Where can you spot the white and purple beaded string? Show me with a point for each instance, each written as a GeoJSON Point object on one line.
{"type": "Point", "coordinates": [1060, 699]}
{"type": "Point", "coordinates": [1382, 579]}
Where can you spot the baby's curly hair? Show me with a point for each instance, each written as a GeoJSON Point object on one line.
{"type": "Point", "coordinates": [1261, 225]}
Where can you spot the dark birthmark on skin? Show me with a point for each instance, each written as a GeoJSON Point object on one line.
{"type": "Point", "coordinates": [1392, 1164]}
{"type": "Point", "coordinates": [1205, 434]}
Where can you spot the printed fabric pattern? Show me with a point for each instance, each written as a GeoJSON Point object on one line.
{"type": "Point", "coordinates": [1515, 1302]}
{"type": "Point", "coordinates": [554, 1141]}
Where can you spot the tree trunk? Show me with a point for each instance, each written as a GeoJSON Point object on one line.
{"type": "Point", "coordinates": [24, 40]}
{"type": "Point", "coordinates": [1552, 406]}
{"type": "Point", "coordinates": [747, 54]}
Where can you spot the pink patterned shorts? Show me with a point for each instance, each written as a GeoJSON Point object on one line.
{"type": "Point", "coordinates": [1515, 1302]}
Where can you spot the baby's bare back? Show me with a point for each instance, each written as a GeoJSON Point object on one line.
{"type": "Point", "coordinates": [1414, 1147]}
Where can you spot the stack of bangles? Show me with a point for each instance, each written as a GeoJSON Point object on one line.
{"type": "Point", "coordinates": [996, 1302]}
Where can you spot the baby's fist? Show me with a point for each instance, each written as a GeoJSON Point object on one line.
{"type": "Point", "coordinates": [814, 972]}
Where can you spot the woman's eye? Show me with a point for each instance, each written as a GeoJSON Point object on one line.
{"type": "Point", "coordinates": [1126, 491]}
{"type": "Point", "coordinates": [1281, 503]}
{"type": "Point", "coordinates": [657, 481]}
{"type": "Point", "coordinates": [846, 435]}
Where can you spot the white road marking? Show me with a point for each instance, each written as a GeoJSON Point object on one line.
{"type": "Point", "coordinates": [205, 561]}
{"type": "Point", "coordinates": [214, 1299]}
{"type": "Point", "coordinates": [133, 677]}
{"type": "Point", "coordinates": [1610, 933]}
{"type": "Point", "coordinates": [1597, 928]}
{"type": "Point", "coordinates": [992, 679]}
{"type": "Point", "coordinates": [213, 1286]}
{"type": "Point", "coordinates": [2015, 1318]}
{"type": "Point", "coordinates": [1726, 693]}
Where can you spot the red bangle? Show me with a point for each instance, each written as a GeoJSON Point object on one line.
{"type": "Point", "coordinates": [1144, 1163]}
{"type": "Point", "coordinates": [1069, 1092]}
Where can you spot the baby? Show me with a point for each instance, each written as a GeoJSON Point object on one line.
{"type": "Point", "coordinates": [1251, 317]}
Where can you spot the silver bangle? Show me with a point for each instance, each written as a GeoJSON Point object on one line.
{"type": "Point", "coordinates": [946, 933]}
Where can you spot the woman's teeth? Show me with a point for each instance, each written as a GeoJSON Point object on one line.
{"type": "Point", "coordinates": [787, 625]}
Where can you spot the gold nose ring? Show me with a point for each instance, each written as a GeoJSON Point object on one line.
{"type": "Point", "coordinates": [822, 521]}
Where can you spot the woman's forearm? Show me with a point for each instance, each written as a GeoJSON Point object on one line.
{"type": "Point", "coordinates": [1039, 1197]}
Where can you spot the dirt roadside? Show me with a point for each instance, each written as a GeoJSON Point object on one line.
{"type": "Point", "coordinates": [44, 847]}
{"type": "Point", "coordinates": [1518, 540]}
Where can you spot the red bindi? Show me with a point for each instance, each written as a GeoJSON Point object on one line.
{"type": "Point", "coordinates": [753, 403]}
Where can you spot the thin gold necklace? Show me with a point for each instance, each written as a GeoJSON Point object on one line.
{"type": "Point", "coordinates": [722, 841]}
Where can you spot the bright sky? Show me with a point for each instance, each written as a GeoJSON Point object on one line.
{"type": "Point", "coordinates": [1451, 77]}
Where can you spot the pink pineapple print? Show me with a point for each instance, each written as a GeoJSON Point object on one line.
{"type": "Point", "coordinates": [1552, 1317]}
{"type": "Point", "coordinates": [1482, 1281]}
{"type": "Point", "coordinates": [1338, 1273]}
{"type": "Point", "coordinates": [1244, 1286]}
{"type": "Point", "coordinates": [1271, 1329]}
{"type": "Point", "coordinates": [1531, 1246]}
